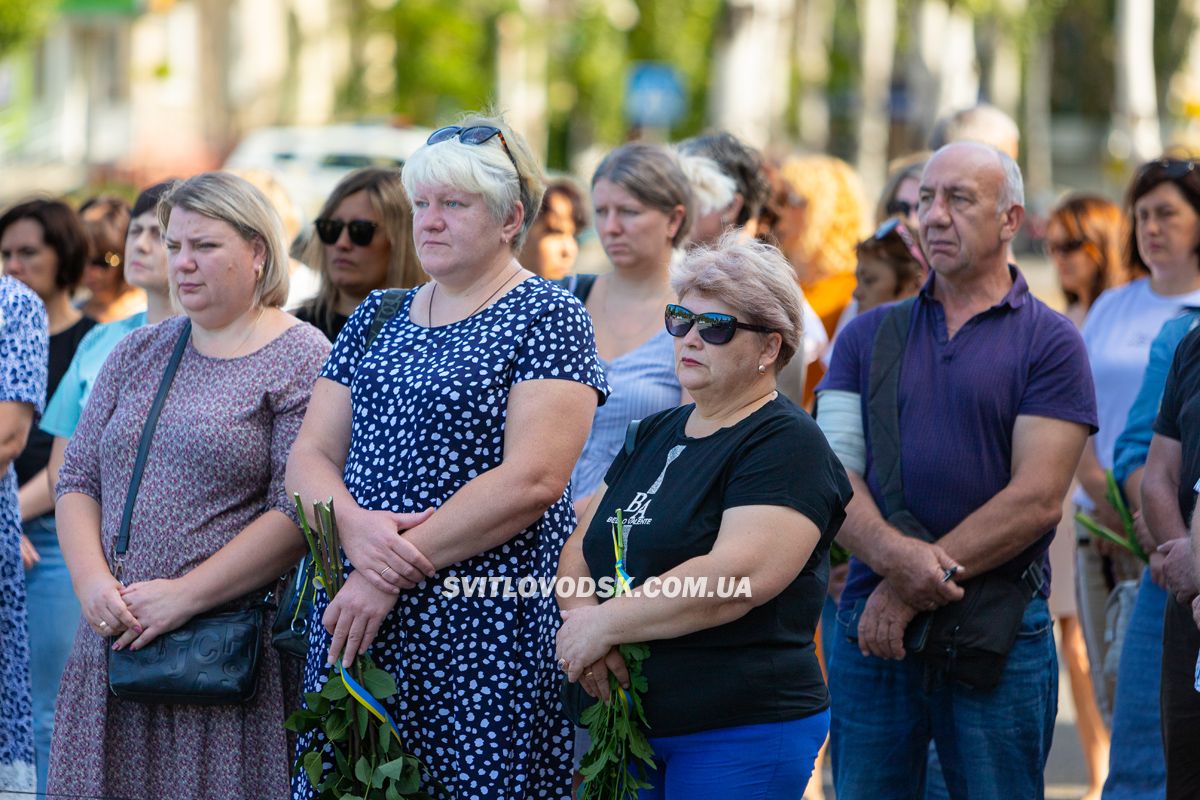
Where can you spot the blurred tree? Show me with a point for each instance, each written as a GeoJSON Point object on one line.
{"type": "Point", "coordinates": [22, 21]}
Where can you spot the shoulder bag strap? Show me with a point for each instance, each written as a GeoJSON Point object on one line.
{"type": "Point", "coordinates": [388, 306]}
{"type": "Point", "coordinates": [139, 464]}
{"type": "Point", "coordinates": [883, 410]}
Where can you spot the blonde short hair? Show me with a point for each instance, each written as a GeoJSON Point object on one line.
{"type": "Point", "coordinates": [835, 213]}
{"type": "Point", "coordinates": [484, 170]}
{"type": "Point", "coordinates": [752, 277]}
{"type": "Point", "coordinates": [236, 202]}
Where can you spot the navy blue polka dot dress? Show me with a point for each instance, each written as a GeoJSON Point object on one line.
{"type": "Point", "coordinates": [478, 700]}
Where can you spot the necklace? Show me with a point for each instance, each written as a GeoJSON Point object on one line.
{"type": "Point", "coordinates": [433, 291]}
{"type": "Point", "coordinates": [246, 338]}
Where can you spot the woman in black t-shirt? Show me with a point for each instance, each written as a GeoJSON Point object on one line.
{"type": "Point", "coordinates": [728, 508]}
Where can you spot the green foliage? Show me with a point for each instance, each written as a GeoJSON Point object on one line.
{"type": "Point", "coordinates": [614, 767]}
{"type": "Point", "coordinates": [368, 761]}
{"type": "Point", "coordinates": [22, 21]}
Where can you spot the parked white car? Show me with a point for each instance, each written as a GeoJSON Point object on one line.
{"type": "Point", "coordinates": [309, 161]}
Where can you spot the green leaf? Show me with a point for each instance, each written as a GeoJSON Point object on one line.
{"type": "Point", "coordinates": [392, 794]}
{"type": "Point", "coordinates": [362, 770]}
{"type": "Point", "coordinates": [410, 777]}
{"type": "Point", "coordinates": [363, 719]}
{"type": "Point", "coordinates": [334, 689]}
{"type": "Point", "coordinates": [335, 728]}
{"type": "Point", "coordinates": [313, 767]}
{"type": "Point", "coordinates": [379, 683]}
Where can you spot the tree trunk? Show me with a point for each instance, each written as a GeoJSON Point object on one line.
{"type": "Point", "coordinates": [813, 39]}
{"type": "Point", "coordinates": [753, 52]}
{"type": "Point", "coordinates": [942, 71]}
{"type": "Point", "coordinates": [877, 52]}
{"type": "Point", "coordinates": [522, 54]}
{"type": "Point", "coordinates": [1039, 179]}
{"type": "Point", "coordinates": [1136, 133]}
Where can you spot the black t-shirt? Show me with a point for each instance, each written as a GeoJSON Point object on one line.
{"type": "Point", "coordinates": [1179, 417]}
{"type": "Point", "coordinates": [673, 490]}
{"type": "Point", "coordinates": [63, 345]}
{"type": "Point", "coordinates": [330, 325]}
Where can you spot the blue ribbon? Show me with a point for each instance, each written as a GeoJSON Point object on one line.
{"type": "Point", "coordinates": [359, 693]}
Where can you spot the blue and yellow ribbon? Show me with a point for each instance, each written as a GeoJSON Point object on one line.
{"type": "Point", "coordinates": [624, 579]}
{"type": "Point", "coordinates": [359, 693]}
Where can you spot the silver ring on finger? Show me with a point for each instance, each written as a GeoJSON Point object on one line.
{"type": "Point", "coordinates": [383, 572]}
{"type": "Point", "coordinates": [103, 625]}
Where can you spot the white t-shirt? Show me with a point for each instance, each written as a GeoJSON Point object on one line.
{"type": "Point", "coordinates": [1118, 331]}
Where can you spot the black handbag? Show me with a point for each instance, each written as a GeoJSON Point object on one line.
{"type": "Point", "coordinates": [969, 639]}
{"type": "Point", "coordinates": [210, 660]}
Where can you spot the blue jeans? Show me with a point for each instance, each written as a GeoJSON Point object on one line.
{"type": "Point", "coordinates": [1136, 762]}
{"type": "Point", "coordinates": [991, 745]}
{"type": "Point", "coordinates": [53, 618]}
{"type": "Point", "coordinates": [749, 762]}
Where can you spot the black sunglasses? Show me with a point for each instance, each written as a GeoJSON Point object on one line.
{"type": "Point", "coordinates": [714, 328]}
{"type": "Point", "coordinates": [901, 208]}
{"type": "Point", "coordinates": [1063, 248]}
{"type": "Point", "coordinates": [1173, 168]}
{"type": "Point", "coordinates": [109, 259]}
{"type": "Point", "coordinates": [362, 231]}
{"type": "Point", "coordinates": [896, 227]}
{"type": "Point", "coordinates": [476, 134]}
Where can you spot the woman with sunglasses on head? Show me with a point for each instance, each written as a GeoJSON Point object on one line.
{"type": "Point", "coordinates": [105, 220]}
{"type": "Point", "coordinates": [211, 526]}
{"type": "Point", "coordinates": [1163, 203]}
{"type": "Point", "coordinates": [363, 242]}
{"type": "Point", "coordinates": [643, 207]}
{"type": "Point", "coordinates": [474, 398]}
{"type": "Point", "coordinates": [739, 486]}
{"type": "Point", "coordinates": [890, 266]}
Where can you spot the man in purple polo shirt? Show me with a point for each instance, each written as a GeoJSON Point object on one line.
{"type": "Point", "coordinates": [995, 404]}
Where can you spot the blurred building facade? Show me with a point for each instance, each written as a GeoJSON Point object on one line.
{"type": "Point", "coordinates": [136, 90]}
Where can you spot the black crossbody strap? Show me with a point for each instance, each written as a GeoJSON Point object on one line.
{"type": "Point", "coordinates": [883, 407]}
{"type": "Point", "coordinates": [139, 464]}
{"type": "Point", "coordinates": [388, 306]}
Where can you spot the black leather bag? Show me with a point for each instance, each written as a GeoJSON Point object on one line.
{"type": "Point", "coordinates": [969, 639]}
{"type": "Point", "coordinates": [210, 660]}
{"type": "Point", "coordinates": [289, 633]}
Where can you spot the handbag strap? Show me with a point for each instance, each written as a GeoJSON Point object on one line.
{"type": "Point", "coordinates": [139, 465]}
{"type": "Point", "coordinates": [388, 306]}
{"type": "Point", "coordinates": [883, 408]}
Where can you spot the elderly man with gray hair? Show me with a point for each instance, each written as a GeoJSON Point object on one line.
{"type": "Point", "coordinates": [960, 416]}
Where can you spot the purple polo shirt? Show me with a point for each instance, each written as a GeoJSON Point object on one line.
{"type": "Point", "coordinates": [959, 400]}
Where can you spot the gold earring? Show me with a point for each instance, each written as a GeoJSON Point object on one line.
{"type": "Point", "coordinates": [761, 368]}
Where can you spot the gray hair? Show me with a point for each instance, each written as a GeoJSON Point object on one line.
{"type": "Point", "coordinates": [238, 203]}
{"type": "Point", "coordinates": [484, 170]}
{"type": "Point", "coordinates": [981, 123]}
{"type": "Point", "coordinates": [1012, 191]}
{"type": "Point", "coordinates": [752, 277]}
{"type": "Point", "coordinates": [712, 189]}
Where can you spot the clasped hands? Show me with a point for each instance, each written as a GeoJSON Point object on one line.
{"type": "Point", "coordinates": [384, 564]}
{"type": "Point", "coordinates": [136, 614]}
{"type": "Point", "coordinates": [918, 577]}
{"type": "Point", "coordinates": [586, 653]}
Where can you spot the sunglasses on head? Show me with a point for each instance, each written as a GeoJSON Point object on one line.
{"type": "Point", "coordinates": [475, 134]}
{"type": "Point", "coordinates": [1173, 168]}
{"type": "Point", "coordinates": [713, 327]}
{"type": "Point", "coordinates": [895, 227]}
{"type": "Point", "coordinates": [361, 231]}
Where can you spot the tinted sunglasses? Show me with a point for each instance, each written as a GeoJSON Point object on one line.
{"type": "Point", "coordinates": [895, 227]}
{"type": "Point", "coordinates": [901, 208]}
{"type": "Point", "coordinates": [1173, 168]}
{"type": "Point", "coordinates": [1063, 248]}
{"type": "Point", "coordinates": [713, 328]}
{"type": "Point", "coordinates": [361, 231]}
{"type": "Point", "coordinates": [109, 259]}
{"type": "Point", "coordinates": [476, 134]}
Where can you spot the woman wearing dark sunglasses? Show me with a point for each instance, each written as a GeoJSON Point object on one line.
{"type": "Point", "coordinates": [739, 488]}
{"type": "Point", "coordinates": [362, 242]}
{"type": "Point", "coordinates": [475, 399]}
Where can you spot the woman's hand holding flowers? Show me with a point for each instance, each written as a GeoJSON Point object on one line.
{"type": "Point", "coordinates": [583, 641]}
{"type": "Point", "coordinates": [374, 546]}
{"type": "Point", "coordinates": [354, 616]}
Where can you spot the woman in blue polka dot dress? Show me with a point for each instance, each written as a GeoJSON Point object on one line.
{"type": "Point", "coordinates": [447, 444]}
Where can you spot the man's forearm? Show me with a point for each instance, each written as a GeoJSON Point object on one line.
{"type": "Point", "coordinates": [865, 533]}
{"type": "Point", "coordinates": [1000, 529]}
{"type": "Point", "coordinates": [1160, 507]}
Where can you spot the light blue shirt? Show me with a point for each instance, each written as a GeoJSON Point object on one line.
{"type": "Point", "coordinates": [66, 407]}
{"type": "Point", "coordinates": [1132, 446]}
{"type": "Point", "coordinates": [643, 382]}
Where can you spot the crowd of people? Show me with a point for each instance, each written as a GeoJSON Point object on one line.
{"type": "Point", "coordinates": [770, 368]}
